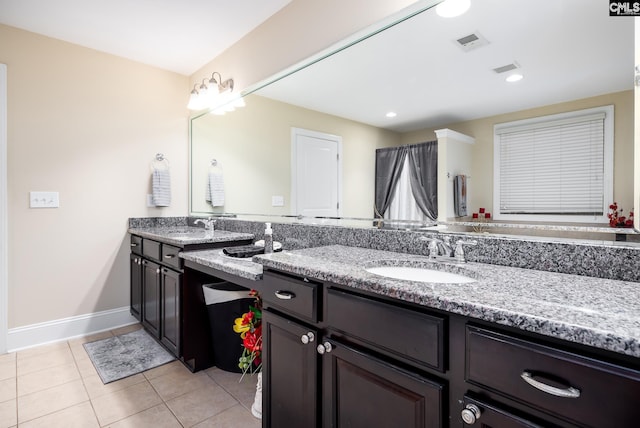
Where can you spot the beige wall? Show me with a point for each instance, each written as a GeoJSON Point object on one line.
{"type": "Point", "coordinates": [481, 183]}
{"type": "Point", "coordinates": [253, 146]}
{"type": "Point", "coordinates": [85, 124]}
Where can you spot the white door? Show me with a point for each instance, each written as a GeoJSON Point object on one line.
{"type": "Point", "coordinates": [316, 173]}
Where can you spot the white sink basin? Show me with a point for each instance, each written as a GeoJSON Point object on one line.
{"type": "Point", "coordinates": [420, 274]}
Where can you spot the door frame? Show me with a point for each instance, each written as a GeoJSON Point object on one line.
{"type": "Point", "coordinates": [295, 132]}
{"type": "Point", "coordinates": [4, 224]}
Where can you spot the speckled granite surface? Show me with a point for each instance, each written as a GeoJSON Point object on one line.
{"type": "Point", "coordinates": [181, 235]}
{"type": "Point", "coordinates": [216, 259]}
{"type": "Point", "coordinates": [596, 312]}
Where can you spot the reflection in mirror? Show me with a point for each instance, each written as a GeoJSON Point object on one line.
{"type": "Point", "coordinates": [422, 71]}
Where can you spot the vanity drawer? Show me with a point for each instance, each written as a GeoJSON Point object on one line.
{"type": "Point", "coordinates": [581, 390]}
{"type": "Point", "coordinates": [151, 249]}
{"type": "Point", "coordinates": [397, 331]}
{"type": "Point", "coordinates": [170, 256]}
{"type": "Point", "coordinates": [298, 297]}
{"type": "Point", "coordinates": [136, 244]}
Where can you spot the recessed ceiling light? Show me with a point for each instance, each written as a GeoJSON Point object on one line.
{"type": "Point", "coordinates": [514, 78]}
{"type": "Point", "coordinates": [452, 8]}
{"type": "Point", "coordinates": [391, 114]}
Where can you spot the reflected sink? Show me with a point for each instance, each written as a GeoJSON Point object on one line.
{"type": "Point", "coordinates": [420, 274]}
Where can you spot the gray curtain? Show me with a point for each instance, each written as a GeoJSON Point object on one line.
{"type": "Point", "coordinates": [388, 168]}
{"type": "Point", "coordinates": [423, 171]}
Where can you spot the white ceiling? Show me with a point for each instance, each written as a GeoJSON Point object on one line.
{"type": "Point", "coordinates": [567, 50]}
{"type": "Point", "coordinates": [180, 36]}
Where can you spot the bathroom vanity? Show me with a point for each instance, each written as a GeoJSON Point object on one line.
{"type": "Point", "coordinates": [160, 300]}
{"type": "Point", "coordinates": [344, 347]}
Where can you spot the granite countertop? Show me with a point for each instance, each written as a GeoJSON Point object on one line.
{"type": "Point", "coordinates": [188, 235]}
{"type": "Point", "coordinates": [596, 312]}
{"type": "Point", "coordinates": [216, 259]}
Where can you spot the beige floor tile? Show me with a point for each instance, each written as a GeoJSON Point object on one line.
{"type": "Point", "coordinates": [78, 416]}
{"type": "Point", "coordinates": [234, 417]}
{"type": "Point", "coordinates": [7, 357]}
{"type": "Point", "coordinates": [7, 369]}
{"type": "Point", "coordinates": [179, 382]}
{"type": "Point", "coordinates": [126, 329]}
{"type": "Point", "coordinates": [7, 389]}
{"type": "Point", "coordinates": [86, 367]}
{"type": "Point", "coordinates": [45, 379]}
{"type": "Point", "coordinates": [157, 417]}
{"type": "Point", "coordinates": [200, 404]}
{"type": "Point", "coordinates": [95, 387]}
{"type": "Point", "coordinates": [244, 391]}
{"type": "Point", "coordinates": [56, 357]}
{"type": "Point", "coordinates": [42, 350]}
{"type": "Point", "coordinates": [50, 400]}
{"type": "Point", "coordinates": [121, 404]}
{"type": "Point", "coordinates": [172, 367]}
{"type": "Point", "coordinates": [8, 414]}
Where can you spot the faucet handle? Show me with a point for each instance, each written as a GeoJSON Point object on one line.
{"type": "Point", "coordinates": [459, 252]}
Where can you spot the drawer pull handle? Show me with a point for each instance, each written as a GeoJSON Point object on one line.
{"type": "Point", "coordinates": [169, 256]}
{"type": "Point", "coordinates": [470, 414]}
{"type": "Point", "coordinates": [569, 392]}
{"type": "Point", "coordinates": [324, 347]}
{"type": "Point", "coordinates": [284, 295]}
{"type": "Point", "coordinates": [307, 337]}
{"type": "Point", "coordinates": [133, 244]}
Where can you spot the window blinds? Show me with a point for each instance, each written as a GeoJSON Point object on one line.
{"type": "Point", "coordinates": [553, 167]}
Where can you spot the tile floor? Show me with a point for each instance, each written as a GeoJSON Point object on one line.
{"type": "Point", "coordinates": [57, 386]}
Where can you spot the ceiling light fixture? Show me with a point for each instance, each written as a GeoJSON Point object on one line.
{"type": "Point", "coordinates": [453, 8]}
{"type": "Point", "coordinates": [391, 114]}
{"type": "Point", "coordinates": [213, 94]}
{"type": "Point", "coordinates": [514, 78]}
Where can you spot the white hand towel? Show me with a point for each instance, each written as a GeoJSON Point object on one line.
{"type": "Point", "coordinates": [215, 189]}
{"type": "Point", "coordinates": [161, 187]}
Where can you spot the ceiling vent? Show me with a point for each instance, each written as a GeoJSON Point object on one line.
{"type": "Point", "coordinates": [471, 41]}
{"type": "Point", "coordinates": [513, 66]}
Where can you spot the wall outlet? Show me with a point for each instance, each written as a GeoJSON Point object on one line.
{"type": "Point", "coordinates": [277, 201]}
{"type": "Point", "coordinates": [150, 201]}
{"type": "Point", "coordinates": [44, 200]}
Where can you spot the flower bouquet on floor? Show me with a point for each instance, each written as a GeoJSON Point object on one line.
{"type": "Point", "coordinates": [249, 326]}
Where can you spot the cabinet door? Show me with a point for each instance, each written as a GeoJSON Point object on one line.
{"type": "Point", "coordinates": [170, 312]}
{"type": "Point", "coordinates": [136, 286]}
{"type": "Point", "coordinates": [360, 391]}
{"type": "Point", "coordinates": [290, 374]}
{"type": "Point", "coordinates": [151, 297]}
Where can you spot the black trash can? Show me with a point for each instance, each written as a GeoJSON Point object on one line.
{"type": "Point", "coordinates": [226, 302]}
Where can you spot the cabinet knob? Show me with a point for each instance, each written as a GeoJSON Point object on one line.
{"type": "Point", "coordinates": [470, 414]}
{"type": "Point", "coordinates": [157, 270]}
{"type": "Point", "coordinates": [307, 337]}
{"type": "Point", "coordinates": [324, 347]}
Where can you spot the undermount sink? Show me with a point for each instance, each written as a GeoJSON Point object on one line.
{"type": "Point", "coordinates": [420, 274]}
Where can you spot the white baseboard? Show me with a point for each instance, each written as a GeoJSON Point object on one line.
{"type": "Point", "coordinates": [67, 328]}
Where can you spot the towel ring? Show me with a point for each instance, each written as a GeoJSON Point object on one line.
{"type": "Point", "coordinates": [160, 162]}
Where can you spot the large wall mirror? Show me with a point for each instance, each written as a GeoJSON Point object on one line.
{"type": "Point", "coordinates": [433, 73]}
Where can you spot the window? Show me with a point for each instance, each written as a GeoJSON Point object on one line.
{"type": "Point", "coordinates": [555, 168]}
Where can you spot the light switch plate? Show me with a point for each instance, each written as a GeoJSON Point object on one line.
{"type": "Point", "coordinates": [277, 201]}
{"type": "Point", "coordinates": [44, 200]}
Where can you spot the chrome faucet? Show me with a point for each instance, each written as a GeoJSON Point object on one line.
{"type": "Point", "coordinates": [209, 223]}
{"type": "Point", "coordinates": [459, 252]}
{"type": "Point", "coordinates": [443, 250]}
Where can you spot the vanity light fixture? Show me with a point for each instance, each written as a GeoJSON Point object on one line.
{"type": "Point", "coordinates": [516, 77]}
{"type": "Point", "coordinates": [452, 8]}
{"type": "Point", "coordinates": [211, 93]}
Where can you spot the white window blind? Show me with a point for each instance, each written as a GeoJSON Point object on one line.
{"type": "Point", "coordinates": [555, 166]}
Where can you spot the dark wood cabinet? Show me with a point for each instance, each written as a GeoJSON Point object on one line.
{"type": "Point", "coordinates": [135, 271]}
{"type": "Point", "coordinates": [290, 373]}
{"type": "Point", "coordinates": [170, 311]}
{"type": "Point", "coordinates": [151, 297]}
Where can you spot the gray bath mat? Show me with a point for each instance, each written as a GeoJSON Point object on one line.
{"type": "Point", "coordinates": [125, 355]}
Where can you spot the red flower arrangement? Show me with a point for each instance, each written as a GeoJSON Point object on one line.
{"type": "Point", "coordinates": [616, 219]}
{"type": "Point", "coordinates": [249, 326]}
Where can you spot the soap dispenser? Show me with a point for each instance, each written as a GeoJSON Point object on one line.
{"type": "Point", "coordinates": [268, 239]}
